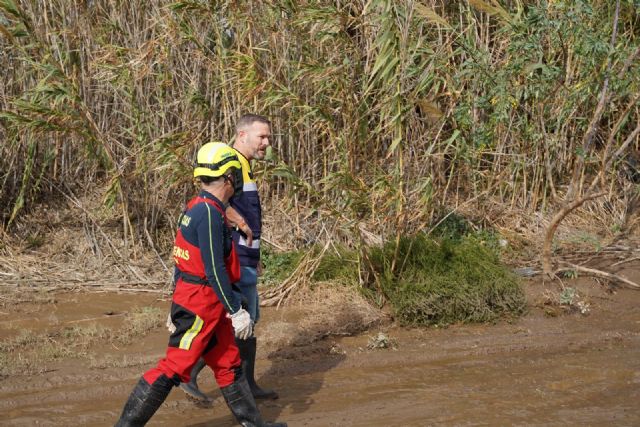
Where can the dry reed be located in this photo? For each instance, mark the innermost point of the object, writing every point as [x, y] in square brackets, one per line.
[387, 114]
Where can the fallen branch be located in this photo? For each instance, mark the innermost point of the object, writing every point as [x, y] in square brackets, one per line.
[272, 243]
[617, 248]
[599, 273]
[553, 225]
[90, 319]
[624, 261]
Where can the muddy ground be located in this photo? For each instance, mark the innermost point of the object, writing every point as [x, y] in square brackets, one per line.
[554, 366]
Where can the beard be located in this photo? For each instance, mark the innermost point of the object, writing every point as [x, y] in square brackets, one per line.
[259, 154]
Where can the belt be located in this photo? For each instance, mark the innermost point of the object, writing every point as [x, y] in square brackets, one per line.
[190, 278]
[195, 280]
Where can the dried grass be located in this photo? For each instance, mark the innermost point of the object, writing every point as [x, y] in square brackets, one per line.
[596, 224]
[51, 249]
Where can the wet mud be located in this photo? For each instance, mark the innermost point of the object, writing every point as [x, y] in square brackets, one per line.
[550, 367]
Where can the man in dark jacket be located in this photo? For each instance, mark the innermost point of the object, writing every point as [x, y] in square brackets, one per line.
[253, 134]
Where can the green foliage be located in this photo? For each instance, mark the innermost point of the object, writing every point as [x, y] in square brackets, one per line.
[567, 296]
[278, 265]
[447, 281]
[452, 226]
[340, 265]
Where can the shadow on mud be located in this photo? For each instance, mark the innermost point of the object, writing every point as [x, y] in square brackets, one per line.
[296, 373]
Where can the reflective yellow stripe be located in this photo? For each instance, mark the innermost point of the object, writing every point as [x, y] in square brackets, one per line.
[246, 171]
[213, 262]
[189, 336]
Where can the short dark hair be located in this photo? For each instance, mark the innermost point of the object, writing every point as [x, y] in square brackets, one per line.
[205, 179]
[208, 179]
[249, 119]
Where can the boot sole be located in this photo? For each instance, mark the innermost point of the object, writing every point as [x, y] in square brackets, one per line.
[197, 397]
[266, 396]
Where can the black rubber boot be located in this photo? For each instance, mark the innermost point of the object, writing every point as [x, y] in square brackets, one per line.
[144, 401]
[248, 355]
[243, 406]
[191, 388]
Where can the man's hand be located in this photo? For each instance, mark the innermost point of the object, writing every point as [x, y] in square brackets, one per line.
[238, 220]
[244, 227]
[242, 324]
[170, 326]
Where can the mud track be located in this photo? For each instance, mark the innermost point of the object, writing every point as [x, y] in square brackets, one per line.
[550, 367]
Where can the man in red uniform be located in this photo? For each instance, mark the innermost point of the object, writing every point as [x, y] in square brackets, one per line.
[205, 311]
[253, 134]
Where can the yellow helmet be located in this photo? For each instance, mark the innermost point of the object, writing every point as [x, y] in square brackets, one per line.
[214, 159]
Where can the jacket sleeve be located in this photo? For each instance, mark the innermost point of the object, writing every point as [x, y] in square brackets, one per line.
[211, 243]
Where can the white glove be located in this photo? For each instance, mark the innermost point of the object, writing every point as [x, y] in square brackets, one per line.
[170, 326]
[242, 324]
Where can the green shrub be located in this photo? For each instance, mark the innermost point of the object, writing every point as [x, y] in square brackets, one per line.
[445, 282]
[455, 279]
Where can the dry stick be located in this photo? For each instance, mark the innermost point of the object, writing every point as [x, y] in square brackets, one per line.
[272, 243]
[553, 225]
[608, 249]
[547, 160]
[111, 246]
[624, 261]
[600, 273]
[77, 203]
[275, 296]
[150, 240]
[632, 136]
[313, 265]
[466, 202]
[104, 316]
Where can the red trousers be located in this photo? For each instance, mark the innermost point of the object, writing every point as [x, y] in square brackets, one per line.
[202, 330]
